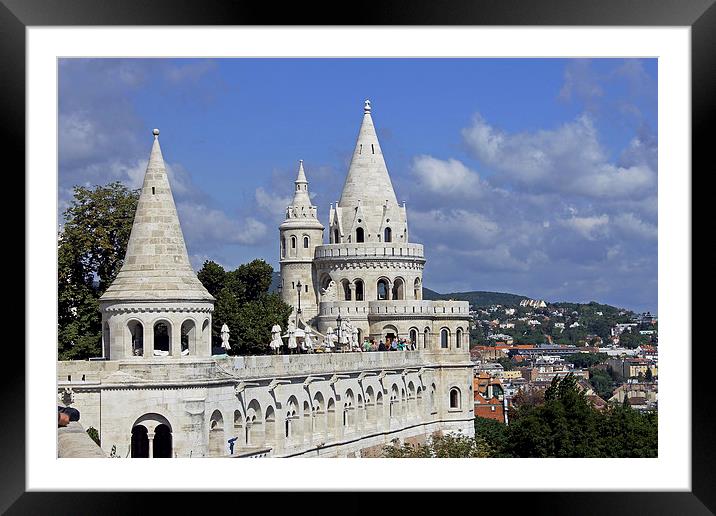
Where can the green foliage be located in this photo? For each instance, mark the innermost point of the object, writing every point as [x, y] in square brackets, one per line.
[633, 339]
[90, 253]
[245, 305]
[94, 434]
[507, 363]
[566, 425]
[586, 360]
[495, 433]
[213, 277]
[441, 446]
[602, 382]
[254, 322]
[477, 298]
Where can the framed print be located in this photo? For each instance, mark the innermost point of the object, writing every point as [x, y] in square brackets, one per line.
[284, 239]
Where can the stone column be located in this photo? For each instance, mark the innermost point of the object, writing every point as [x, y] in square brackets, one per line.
[150, 437]
[352, 287]
[148, 341]
[175, 344]
[389, 294]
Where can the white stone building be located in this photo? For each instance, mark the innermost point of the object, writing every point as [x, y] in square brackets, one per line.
[159, 392]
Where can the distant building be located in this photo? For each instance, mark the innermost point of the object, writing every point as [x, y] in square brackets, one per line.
[533, 303]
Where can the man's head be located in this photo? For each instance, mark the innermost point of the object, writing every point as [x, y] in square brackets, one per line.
[62, 419]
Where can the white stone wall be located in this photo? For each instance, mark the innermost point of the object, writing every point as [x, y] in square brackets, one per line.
[336, 404]
[119, 318]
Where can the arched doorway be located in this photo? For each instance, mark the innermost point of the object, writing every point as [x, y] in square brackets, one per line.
[162, 442]
[152, 437]
[140, 442]
[360, 235]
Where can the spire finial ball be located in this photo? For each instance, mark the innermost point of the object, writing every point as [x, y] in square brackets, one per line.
[155, 132]
[366, 108]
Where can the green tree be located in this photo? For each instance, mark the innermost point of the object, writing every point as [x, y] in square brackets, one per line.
[586, 360]
[602, 383]
[91, 249]
[94, 435]
[212, 276]
[495, 434]
[254, 321]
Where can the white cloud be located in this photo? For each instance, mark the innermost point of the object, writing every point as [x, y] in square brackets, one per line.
[448, 178]
[588, 227]
[469, 226]
[568, 160]
[273, 204]
[633, 226]
[207, 227]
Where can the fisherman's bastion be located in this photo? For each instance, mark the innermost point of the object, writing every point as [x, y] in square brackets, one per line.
[158, 391]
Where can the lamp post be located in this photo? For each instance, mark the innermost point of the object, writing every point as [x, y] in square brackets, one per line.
[298, 286]
[338, 322]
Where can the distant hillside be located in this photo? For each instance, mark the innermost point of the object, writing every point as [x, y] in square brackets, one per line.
[275, 281]
[477, 298]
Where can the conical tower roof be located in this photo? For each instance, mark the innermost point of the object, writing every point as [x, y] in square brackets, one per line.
[156, 266]
[300, 197]
[368, 180]
[301, 212]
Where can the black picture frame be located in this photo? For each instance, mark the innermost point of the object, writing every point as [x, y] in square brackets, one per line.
[700, 15]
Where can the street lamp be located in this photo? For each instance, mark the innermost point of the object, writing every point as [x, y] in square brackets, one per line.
[298, 286]
[338, 322]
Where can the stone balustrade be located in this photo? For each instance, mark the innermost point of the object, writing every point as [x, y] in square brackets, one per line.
[407, 307]
[74, 442]
[369, 250]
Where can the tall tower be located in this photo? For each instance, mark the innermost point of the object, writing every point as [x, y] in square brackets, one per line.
[300, 234]
[156, 306]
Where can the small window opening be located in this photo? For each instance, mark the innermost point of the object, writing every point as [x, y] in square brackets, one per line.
[153, 191]
[372, 148]
[360, 149]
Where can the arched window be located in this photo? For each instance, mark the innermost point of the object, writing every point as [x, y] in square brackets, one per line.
[360, 237]
[382, 289]
[426, 338]
[444, 338]
[188, 337]
[293, 242]
[414, 337]
[162, 338]
[346, 289]
[417, 290]
[458, 338]
[216, 435]
[399, 289]
[335, 236]
[283, 247]
[388, 235]
[454, 398]
[136, 331]
[359, 290]
[306, 241]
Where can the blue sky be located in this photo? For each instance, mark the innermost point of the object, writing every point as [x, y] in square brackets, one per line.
[532, 176]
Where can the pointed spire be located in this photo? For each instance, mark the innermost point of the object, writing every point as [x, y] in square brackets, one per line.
[368, 178]
[300, 196]
[156, 265]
